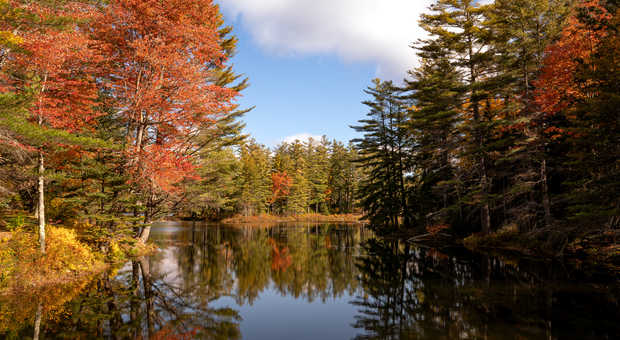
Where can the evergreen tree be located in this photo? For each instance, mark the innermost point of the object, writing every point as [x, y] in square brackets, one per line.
[254, 179]
[384, 151]
[318, 172]
[457, 25]
[299, 196]
[434, 118]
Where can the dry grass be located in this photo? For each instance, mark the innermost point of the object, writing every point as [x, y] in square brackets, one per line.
[267, 218]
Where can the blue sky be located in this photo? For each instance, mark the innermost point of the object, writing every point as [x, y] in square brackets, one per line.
[299, 95]
[308, 61]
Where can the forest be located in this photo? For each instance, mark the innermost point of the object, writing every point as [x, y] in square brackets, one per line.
[509, 127]
[116, 114]
[250, 179]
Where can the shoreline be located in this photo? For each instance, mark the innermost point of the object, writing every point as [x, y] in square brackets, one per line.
[315, 218]
[588, 251]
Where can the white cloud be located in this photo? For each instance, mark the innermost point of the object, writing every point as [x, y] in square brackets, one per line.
[302, 137]
[376, 31]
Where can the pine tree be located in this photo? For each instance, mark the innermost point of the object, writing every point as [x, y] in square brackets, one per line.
[434, 118]
[254, 178]
[318, 172]
[457, 27]
[299, 196]
[384, 151]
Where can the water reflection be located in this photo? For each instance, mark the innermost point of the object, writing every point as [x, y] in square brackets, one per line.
[419, 293]
[313, 262]
[318, 281]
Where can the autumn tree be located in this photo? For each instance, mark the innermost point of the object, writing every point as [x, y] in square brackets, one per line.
[53, 69]
[280, 188]
[577, 96]
[162, 61]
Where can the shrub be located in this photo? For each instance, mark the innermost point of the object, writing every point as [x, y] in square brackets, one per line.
[22, 265]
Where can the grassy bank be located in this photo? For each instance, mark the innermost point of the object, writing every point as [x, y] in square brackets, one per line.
[267, 218]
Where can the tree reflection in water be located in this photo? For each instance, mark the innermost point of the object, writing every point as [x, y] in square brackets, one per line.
[419, 293]
[134, 303]
[314, 262]
[394, 290]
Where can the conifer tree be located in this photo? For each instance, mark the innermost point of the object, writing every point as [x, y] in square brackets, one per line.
[318, 172]
[299, 195]
[434, 120]
[457, 27]
[383, 150]
[254, 178]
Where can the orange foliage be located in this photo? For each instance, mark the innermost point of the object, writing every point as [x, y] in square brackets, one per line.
[160, 57]
[556, 88]
[59, 65]
[280, 257]
[281, 185]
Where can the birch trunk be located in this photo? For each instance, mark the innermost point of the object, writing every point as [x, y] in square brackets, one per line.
[41, 205]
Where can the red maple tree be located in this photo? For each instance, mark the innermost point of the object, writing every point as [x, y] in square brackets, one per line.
[557, 89]
[159, 58]
[160, 62]
[281, 184]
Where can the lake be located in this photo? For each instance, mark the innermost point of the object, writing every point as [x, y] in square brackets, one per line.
[328, 281]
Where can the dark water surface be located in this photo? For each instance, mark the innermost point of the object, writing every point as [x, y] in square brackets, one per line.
[329, 282]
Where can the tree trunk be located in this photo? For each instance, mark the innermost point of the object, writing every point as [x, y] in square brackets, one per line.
[144, 234]
[148, 215]
[545, 192]
[148, 294]
[37, 322]
[41, 205]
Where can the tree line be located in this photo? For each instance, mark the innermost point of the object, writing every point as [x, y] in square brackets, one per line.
[509, 121]
[313, 176]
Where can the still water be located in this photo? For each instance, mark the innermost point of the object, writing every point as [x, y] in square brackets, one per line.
[328, 282]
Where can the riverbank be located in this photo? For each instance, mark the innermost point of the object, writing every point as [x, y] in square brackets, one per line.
[318, 218]
[596, 248]
[69, 258]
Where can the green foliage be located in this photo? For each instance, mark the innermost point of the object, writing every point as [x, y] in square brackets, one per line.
[383, 152]
[510, 121]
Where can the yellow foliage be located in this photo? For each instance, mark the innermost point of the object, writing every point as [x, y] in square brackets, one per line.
[22, 265]
[29, 279]
[9, 39]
